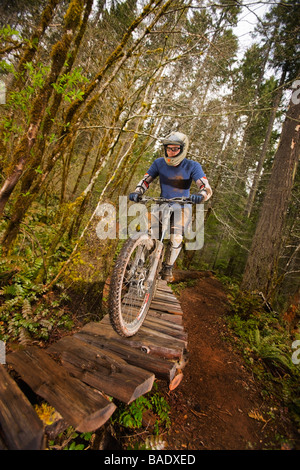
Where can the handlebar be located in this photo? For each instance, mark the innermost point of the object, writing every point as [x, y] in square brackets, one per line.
[162, 200]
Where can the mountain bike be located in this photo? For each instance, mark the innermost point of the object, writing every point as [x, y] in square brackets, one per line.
[137, 271]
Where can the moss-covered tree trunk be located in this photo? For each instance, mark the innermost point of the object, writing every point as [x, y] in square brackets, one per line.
[22, 154]
[261, 268]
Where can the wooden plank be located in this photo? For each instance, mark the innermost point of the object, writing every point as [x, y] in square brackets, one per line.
[20, 426]
[134, 306]
[168, 322]
[155, 345]
[163, 285]
[158, 324]
[166, 329]
[162, 368]
[81, 406]
[103, 370]
[165, 316]
[166, 296]
[165, 300]
[165, 307]
[155, 329]
[148, 330]
[171, 302]
[163, 291]
[133, 300]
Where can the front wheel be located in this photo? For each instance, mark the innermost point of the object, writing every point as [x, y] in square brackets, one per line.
[130, 293]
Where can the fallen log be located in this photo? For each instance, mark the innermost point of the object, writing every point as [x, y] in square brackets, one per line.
[103, 370]
[20, 426]
[163, 369]
[81, 406]
[155, 345]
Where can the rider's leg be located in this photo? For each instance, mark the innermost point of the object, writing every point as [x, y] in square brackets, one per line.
[180, 219]
[173, 251]
[175, 244]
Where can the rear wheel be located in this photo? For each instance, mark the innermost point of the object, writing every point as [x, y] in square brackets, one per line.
[130, 293]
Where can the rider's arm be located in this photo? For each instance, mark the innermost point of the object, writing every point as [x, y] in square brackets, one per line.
[204, 188]
[143, 185]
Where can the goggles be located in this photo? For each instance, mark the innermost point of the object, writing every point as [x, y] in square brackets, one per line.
[172, 149]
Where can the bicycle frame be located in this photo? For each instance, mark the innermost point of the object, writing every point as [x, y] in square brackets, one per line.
[167, 210]
[133, 281]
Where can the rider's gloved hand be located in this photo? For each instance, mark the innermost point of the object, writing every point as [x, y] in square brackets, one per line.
[135, 197]
[196, 198]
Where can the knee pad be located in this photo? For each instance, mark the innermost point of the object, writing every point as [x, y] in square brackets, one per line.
[176, 240]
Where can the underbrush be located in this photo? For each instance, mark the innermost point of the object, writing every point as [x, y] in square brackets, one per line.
[269, 347]
[29, 311]
[140, 425]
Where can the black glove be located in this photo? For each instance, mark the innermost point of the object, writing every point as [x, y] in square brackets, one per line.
[196, 198]
[135, 197]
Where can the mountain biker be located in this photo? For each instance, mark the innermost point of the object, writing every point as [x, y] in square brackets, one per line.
[176, 174]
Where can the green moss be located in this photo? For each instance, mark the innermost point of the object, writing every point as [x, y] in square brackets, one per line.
[48, 13]
[59, 51]
[73, 15]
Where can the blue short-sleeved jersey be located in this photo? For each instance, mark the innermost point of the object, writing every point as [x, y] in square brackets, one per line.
[175, 181]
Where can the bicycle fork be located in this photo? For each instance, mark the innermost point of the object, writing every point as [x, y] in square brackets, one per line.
[160, 247]
[157, 254]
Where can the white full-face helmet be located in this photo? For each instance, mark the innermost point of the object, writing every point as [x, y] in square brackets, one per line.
[176, 138]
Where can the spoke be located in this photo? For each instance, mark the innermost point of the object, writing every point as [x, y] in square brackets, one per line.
[134, 292]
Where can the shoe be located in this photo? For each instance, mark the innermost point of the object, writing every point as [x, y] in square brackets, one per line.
[167, 273]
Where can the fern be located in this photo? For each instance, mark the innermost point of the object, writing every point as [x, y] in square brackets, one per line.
[26, 309]
[32, 271]
[9, 290]
[24, 337]
[270, 350]
[155, 443]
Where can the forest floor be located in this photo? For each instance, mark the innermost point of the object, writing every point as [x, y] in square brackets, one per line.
[220, 405]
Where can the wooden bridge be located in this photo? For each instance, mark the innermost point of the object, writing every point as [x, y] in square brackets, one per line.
[81, 375]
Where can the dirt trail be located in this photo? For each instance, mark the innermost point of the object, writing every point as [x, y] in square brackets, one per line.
[218, 405]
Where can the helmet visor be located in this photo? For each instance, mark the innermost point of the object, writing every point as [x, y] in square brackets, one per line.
[173, 140]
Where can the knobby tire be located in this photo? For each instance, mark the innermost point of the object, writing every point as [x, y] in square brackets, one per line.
[129, 297]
